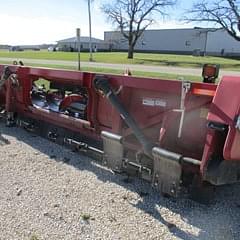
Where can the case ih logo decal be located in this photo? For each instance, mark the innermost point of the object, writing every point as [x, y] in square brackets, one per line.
[154, 102]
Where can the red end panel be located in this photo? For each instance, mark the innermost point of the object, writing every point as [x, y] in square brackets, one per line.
[225, 109]
[226, 101]
[3, 91]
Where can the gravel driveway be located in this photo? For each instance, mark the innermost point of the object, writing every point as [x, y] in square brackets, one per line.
[49, 192]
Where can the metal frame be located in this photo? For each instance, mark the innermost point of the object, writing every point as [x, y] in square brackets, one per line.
[133, 122]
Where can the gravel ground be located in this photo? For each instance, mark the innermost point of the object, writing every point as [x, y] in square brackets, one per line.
[49, 192]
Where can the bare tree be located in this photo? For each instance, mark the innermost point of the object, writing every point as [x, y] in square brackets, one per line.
[132, 17]
[223, 13]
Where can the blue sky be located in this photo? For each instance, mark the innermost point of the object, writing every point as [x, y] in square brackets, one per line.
[46, 21]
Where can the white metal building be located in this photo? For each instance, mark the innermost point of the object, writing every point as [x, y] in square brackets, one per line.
[221, 43]
[70, 44]
[182, 41]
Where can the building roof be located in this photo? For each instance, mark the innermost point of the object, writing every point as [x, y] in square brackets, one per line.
[82, 39]
[172, 29]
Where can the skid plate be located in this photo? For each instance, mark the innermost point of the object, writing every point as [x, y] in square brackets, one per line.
[113, 150]
[167, 171]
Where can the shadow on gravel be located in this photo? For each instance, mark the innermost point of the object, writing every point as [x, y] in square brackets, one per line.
[220, 219]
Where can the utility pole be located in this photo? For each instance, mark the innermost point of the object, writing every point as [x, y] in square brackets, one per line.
[78, 33]
[90, 31]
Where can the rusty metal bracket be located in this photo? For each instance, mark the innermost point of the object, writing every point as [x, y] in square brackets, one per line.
[167, 171]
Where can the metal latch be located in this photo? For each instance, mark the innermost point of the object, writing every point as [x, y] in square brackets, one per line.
[167, 171]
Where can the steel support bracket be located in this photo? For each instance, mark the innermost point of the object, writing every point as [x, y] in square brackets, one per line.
[113, 151]
[167, 171]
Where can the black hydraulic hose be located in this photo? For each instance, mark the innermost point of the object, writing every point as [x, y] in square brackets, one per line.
[102, 84]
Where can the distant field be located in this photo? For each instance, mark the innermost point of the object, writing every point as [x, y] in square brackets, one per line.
[139, 58]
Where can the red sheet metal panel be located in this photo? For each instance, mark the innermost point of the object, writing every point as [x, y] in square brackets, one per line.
[225, 108]
[226, 101]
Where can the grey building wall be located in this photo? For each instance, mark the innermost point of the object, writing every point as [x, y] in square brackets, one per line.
[187, 41]
[169, 40]
[221, 43]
